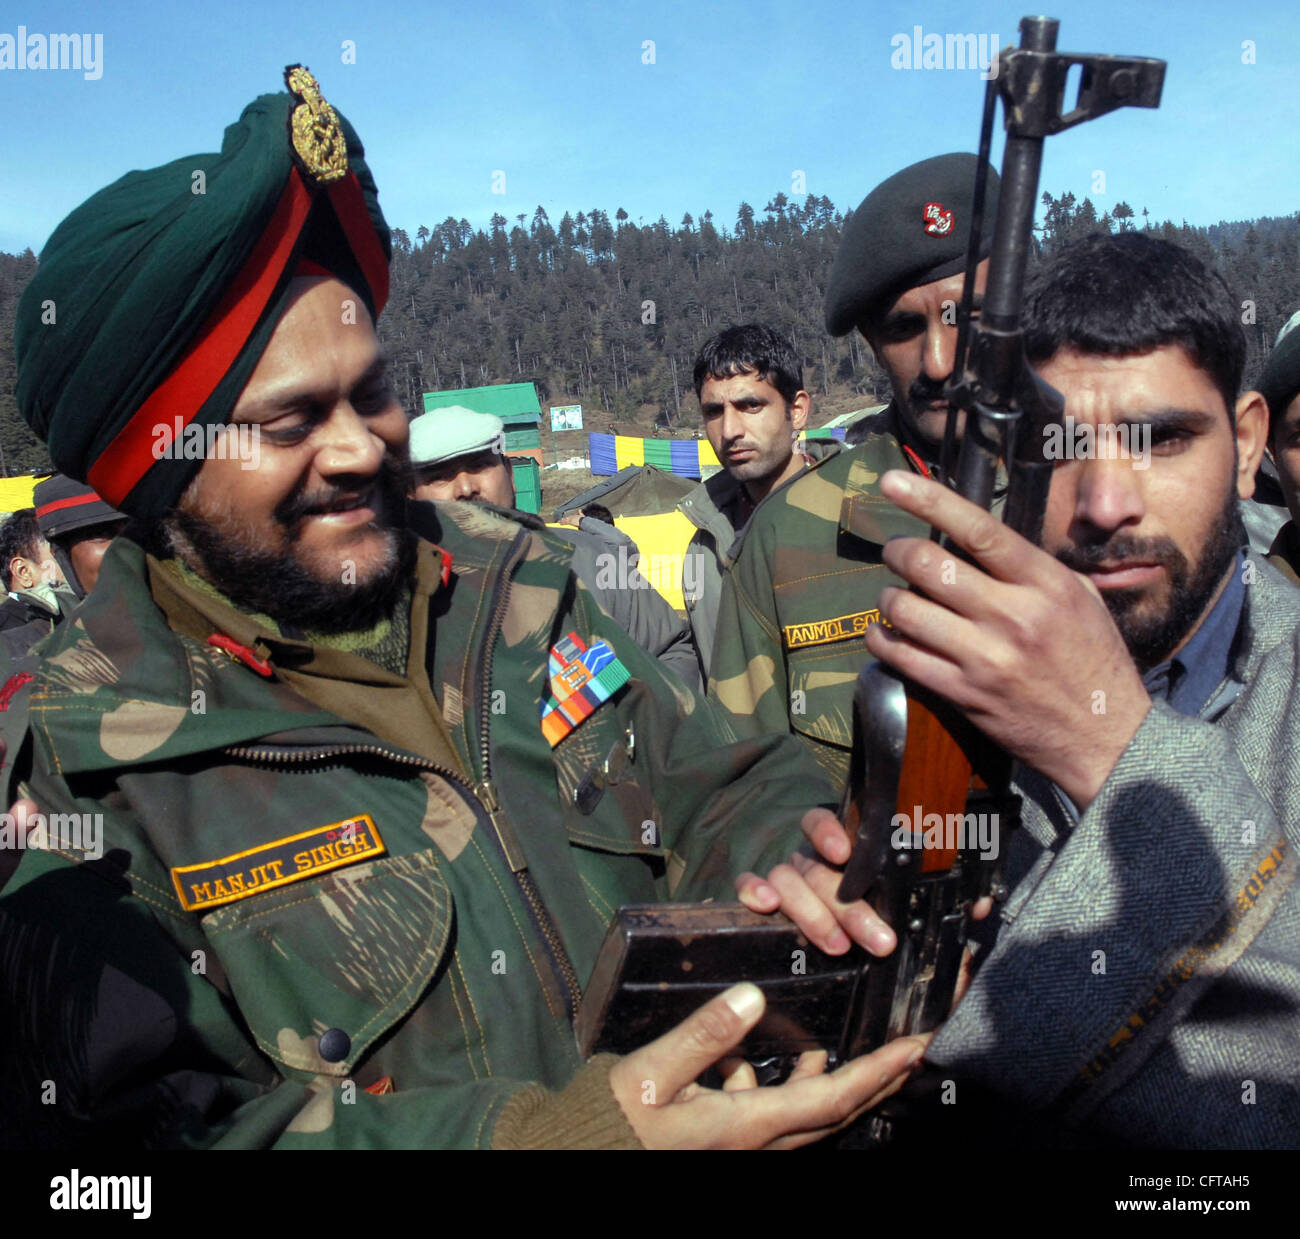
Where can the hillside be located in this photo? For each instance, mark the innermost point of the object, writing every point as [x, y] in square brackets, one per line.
[609, 313]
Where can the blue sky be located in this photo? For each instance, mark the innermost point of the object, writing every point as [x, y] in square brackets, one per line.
[740, 98]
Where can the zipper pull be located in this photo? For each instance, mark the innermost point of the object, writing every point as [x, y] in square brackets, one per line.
[514, 854]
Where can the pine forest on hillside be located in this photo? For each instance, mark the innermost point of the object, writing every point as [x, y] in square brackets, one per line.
[609, 313]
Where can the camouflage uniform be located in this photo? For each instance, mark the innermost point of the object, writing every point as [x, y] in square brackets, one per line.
[301, 933]
[719, 509]
[805, 585]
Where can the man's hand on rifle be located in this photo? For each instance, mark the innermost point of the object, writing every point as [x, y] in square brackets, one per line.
[1018, 642]
[805, 890]
[655, 1086]
[1021, 644]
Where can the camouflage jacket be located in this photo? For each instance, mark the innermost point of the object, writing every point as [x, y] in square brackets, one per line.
[258, 924]
[799, 597]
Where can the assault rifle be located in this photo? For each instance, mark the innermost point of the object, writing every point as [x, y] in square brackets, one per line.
[922, 780]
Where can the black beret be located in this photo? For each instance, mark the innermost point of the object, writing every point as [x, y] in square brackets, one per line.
[63, 505]
[154, 299]
[1280, 380]
[911, 229]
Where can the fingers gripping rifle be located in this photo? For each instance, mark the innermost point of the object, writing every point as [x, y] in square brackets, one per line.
[915, 759]
[929, 799]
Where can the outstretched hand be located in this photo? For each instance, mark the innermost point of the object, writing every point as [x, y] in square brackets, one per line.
[656, 1090]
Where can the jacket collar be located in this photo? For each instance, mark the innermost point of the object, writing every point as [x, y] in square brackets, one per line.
[717, 504]
[119, 686]
[864, 512]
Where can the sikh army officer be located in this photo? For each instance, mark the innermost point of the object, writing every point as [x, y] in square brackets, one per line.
[1141, 984]
[456, 456]
[806, 582]
[749, 383]
[364, 796]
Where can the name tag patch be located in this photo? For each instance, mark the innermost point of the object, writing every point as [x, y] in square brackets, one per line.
[214, 882]
[822, 632]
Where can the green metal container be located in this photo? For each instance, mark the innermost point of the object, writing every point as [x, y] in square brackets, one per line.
[528, 484]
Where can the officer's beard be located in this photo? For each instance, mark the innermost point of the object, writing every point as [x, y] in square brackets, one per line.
[1153, 633]
[229, 552]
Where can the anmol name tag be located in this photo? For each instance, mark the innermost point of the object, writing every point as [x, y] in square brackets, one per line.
[822, 632]
[214, 882]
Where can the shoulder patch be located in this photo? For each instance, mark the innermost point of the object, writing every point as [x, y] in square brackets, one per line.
[212, 883]
[822, 632]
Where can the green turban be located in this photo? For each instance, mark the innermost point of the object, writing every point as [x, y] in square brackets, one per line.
[154, 299]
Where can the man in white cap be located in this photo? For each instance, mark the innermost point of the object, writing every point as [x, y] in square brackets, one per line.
[457, 454]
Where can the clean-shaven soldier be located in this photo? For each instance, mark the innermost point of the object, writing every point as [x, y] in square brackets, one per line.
[750, 386]
[806, 582]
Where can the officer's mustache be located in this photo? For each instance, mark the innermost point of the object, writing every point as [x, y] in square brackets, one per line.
[924, 390]
[385, 491]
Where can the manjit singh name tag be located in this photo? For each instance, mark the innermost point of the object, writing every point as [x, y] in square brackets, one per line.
[259, 869]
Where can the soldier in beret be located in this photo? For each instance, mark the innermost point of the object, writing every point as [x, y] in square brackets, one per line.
[807, 577]
[79, 526]
[1279, 384]
[348, 792]
[456, 454]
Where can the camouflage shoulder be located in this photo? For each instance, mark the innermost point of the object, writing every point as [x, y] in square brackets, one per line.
[16, 678]
[475, 532]
[814, 494]
[441, 522]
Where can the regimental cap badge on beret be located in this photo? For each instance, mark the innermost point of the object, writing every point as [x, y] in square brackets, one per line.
[318, 139]
[939, 220]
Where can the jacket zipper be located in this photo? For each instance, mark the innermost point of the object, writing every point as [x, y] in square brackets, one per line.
[558, 956]
[484, 792]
